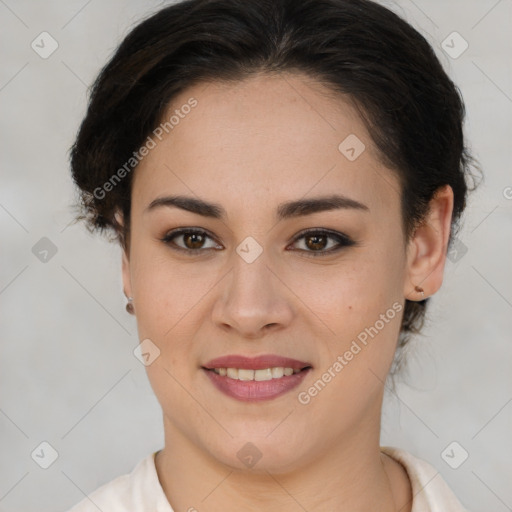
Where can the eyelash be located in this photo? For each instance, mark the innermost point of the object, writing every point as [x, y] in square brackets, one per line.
[343, 240]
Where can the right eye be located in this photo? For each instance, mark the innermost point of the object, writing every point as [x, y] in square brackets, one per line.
[192, 239]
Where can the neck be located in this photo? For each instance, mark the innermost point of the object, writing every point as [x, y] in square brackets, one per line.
[353, 476]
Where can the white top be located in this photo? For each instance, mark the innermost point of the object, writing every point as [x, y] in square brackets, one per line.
[140, 490]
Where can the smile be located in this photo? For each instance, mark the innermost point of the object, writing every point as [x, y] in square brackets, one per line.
[255, 379]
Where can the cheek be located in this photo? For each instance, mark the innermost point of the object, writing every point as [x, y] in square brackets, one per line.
[165, 290]
[167, 300]
[365, 313]
[363, 306]
[364, 288]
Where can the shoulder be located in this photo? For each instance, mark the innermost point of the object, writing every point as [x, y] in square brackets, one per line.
[138, 491]
[430, 491]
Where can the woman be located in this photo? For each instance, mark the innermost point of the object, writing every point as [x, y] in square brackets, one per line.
[284, 178]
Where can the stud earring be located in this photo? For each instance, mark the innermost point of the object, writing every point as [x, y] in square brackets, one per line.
[129, 306]
[419, 289]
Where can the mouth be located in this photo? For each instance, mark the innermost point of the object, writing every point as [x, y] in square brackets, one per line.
[261, 378]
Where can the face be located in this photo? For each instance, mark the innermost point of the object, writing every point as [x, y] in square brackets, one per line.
[265, 275]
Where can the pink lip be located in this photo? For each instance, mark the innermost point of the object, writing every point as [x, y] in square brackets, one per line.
[250, 391]
[255, 363]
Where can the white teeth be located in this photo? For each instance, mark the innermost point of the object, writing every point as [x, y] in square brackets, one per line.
[277, 373]
[257, 375]
[244, 374]
[232, 373]
[265, 374]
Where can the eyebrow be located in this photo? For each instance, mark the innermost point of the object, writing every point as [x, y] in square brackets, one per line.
[286, 210]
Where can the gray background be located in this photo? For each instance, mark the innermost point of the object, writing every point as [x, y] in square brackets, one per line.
[68, 374]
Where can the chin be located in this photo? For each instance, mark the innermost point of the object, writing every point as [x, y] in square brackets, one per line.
[260, 454]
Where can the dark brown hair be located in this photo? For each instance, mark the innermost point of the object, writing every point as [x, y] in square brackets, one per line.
[413, 111]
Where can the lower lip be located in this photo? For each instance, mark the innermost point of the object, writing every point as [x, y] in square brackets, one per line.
[252, 390]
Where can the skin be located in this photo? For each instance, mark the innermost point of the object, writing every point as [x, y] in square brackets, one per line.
[250, 146]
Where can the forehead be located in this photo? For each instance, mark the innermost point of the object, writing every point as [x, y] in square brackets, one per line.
[264, 138]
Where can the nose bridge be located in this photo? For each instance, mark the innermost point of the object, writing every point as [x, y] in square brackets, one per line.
[250, 282]
[251, 298]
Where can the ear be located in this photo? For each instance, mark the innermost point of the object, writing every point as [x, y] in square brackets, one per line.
[427, 248]
[125, 269]
[125, 265]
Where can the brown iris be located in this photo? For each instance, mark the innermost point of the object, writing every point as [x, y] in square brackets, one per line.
[316, 244]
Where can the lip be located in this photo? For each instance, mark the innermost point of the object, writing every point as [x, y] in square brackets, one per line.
[251, 390]
[255, 363]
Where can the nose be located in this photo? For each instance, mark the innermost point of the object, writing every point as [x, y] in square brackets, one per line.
[253, 300]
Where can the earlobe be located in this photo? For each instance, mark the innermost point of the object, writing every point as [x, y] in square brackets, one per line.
[127, 283]
[426, 252]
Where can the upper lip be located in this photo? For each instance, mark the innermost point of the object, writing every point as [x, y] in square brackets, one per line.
[255, 363]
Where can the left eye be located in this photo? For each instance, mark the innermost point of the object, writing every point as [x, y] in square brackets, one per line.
[315, 241]
[318, 240]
